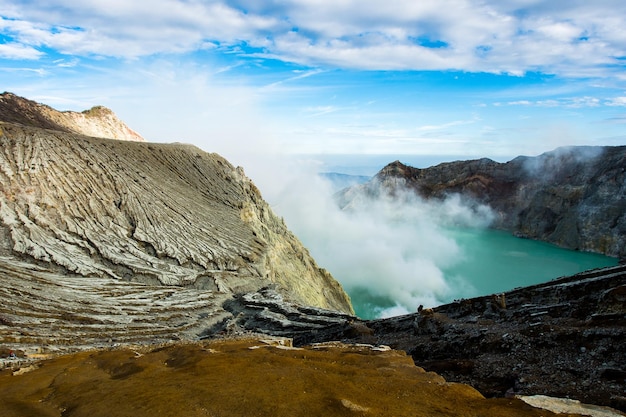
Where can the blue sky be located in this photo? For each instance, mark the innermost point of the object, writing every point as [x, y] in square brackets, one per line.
[493, 78]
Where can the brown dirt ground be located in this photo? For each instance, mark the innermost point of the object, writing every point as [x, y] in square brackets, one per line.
[227, 378]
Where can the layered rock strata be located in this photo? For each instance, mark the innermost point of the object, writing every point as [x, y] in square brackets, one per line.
[105, 241]
[574, 197]
[151, 213]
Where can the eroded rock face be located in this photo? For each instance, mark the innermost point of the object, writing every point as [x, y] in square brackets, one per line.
[45, 313]
[105, 241]
[151, 213]
[573, 197]
[98, 121]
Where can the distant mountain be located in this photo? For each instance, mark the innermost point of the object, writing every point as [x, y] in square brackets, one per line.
[340, 181]
[574, 197]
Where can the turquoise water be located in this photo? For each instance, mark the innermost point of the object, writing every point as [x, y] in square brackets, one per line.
[493, 261]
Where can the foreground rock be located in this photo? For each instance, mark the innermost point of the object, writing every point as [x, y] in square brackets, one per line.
[573, 197]
[243, 378]
[565, 338]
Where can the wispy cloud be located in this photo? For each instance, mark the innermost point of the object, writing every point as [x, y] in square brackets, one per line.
[617, 119]
[445, 125]
[38, 71]
[568, 102]
[18, 51]
[320, 110]
[616, 101]
[65, 63]
[296, 75]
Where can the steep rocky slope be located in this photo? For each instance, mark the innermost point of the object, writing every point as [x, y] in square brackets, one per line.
[105, 241]
[574, 197]
[97, 122]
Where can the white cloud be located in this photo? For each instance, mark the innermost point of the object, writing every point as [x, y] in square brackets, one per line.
[320, 110]
[18, 51]
[445, 125]
[616, 101]
[131, 29]
[575, 38]
[568, 102]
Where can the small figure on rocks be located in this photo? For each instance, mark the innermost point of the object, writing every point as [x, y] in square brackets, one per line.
[424, 311]
[499, 300]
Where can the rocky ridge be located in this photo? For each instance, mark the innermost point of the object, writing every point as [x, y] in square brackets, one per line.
[98, 121]
[574, 197]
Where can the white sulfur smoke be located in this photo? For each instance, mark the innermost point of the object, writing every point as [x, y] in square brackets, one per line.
[394, 248]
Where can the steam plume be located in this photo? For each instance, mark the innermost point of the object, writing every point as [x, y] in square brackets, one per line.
[393, 247]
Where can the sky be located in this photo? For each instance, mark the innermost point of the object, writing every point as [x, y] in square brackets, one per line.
[473, 78]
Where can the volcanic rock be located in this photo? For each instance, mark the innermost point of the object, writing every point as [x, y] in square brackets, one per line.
[105, 241]
[574, 197]
[564, 338]
[243, 378]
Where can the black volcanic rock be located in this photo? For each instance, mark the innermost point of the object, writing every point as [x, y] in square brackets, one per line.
[574, 197]
[564, 338]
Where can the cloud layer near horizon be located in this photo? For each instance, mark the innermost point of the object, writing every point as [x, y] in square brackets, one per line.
[574, 38]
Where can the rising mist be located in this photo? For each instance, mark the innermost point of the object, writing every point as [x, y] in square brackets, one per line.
[394, 248]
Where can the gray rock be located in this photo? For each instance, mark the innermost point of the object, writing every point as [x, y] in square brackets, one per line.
[574, 197]
[128, 241]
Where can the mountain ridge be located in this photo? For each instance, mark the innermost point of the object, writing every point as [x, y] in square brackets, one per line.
[98, 121]
[574, 197]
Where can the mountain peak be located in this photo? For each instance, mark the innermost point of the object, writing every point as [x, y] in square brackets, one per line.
[99, 121]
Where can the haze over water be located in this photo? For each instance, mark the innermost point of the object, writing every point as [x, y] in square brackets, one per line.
[393, 254]
[492, 261]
